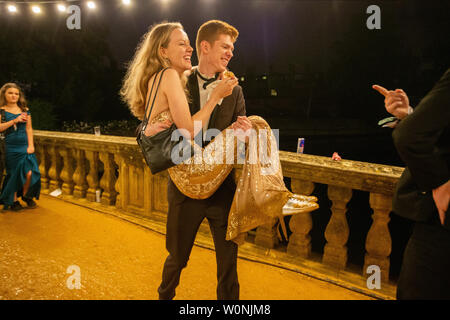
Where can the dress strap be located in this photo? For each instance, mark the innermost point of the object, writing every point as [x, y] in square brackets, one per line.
[147, 115]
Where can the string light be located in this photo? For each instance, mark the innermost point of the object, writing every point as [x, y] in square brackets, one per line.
[12, 8]
[61, 8]
[60, 5]
[36, 9]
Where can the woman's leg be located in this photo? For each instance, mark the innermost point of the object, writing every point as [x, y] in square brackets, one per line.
[29, 200]
[26, 186]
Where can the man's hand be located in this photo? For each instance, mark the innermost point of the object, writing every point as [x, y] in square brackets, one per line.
[153, 129]
[441, 197]
[396, 102]
[244, 124]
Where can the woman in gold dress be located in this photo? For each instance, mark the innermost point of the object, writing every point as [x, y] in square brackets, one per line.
[261, 194]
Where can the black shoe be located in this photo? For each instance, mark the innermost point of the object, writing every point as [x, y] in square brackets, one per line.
[30, 202]
[16, 206]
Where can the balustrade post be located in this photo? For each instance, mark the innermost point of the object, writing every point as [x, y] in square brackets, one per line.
[148, 190]
[378, 241]
[66, 174]
[55, 167]
[120, 183]
[107, 183]
[79, 176]
[267, 235]
[43, 160]
[92, 177]
[337, 231]
[300, 224]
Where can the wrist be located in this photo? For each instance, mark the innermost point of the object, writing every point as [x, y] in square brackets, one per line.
[215, 98]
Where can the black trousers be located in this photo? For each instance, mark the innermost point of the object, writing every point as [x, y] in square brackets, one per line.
[183, 220]
[425, 272]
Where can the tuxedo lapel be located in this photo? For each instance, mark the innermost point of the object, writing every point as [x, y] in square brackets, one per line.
[192, 84]
[222, 115]
[212, 119]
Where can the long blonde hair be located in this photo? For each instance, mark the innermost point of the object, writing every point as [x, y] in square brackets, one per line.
[22, 103]
[146, 62]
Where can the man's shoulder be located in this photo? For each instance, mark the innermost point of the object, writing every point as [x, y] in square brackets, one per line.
[237, 89]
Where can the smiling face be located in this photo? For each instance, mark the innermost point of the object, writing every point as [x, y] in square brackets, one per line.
[12, 95]
[219, 54]
[178, 51]
[215, 45]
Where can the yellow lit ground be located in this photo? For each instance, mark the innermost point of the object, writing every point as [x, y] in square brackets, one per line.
[121, 260]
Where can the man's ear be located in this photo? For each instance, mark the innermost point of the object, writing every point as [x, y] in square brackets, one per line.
[205, 46]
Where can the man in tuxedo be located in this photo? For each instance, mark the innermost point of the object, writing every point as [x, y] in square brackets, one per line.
[422, 138]
[215, 45]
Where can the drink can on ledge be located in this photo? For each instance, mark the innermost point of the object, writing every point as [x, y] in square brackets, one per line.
[300, 145]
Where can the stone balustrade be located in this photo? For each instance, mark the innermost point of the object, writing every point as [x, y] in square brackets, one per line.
[82, 165]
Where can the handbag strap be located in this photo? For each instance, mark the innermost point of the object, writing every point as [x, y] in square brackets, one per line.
[147, 115]
[2, 119]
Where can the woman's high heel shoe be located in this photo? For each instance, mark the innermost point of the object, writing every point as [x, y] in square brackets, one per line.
[300, 204]
[31, 204]
[16, 206]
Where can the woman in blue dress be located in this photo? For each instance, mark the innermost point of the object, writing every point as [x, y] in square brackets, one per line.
[22, 171]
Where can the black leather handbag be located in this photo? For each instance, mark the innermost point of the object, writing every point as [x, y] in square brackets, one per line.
[164, 149]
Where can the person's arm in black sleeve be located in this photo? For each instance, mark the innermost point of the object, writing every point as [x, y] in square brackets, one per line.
[416, 136]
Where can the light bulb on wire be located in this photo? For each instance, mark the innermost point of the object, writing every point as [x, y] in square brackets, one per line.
[12, 8]
[36, 9]
[61, 8]
[91, 5]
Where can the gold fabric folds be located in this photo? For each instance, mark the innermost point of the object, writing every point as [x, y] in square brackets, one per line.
[261, 192]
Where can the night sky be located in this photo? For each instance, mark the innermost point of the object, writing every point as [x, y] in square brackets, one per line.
[324, 43]
[276, 33]
[280, 35]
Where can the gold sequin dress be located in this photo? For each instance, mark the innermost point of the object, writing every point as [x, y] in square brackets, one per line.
[260, 194]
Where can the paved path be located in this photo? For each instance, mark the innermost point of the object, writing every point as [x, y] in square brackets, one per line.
[120, 260]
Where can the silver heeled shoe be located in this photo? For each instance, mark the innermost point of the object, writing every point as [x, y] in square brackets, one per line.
[300, 204]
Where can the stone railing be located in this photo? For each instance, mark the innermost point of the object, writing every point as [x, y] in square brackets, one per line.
[342, 177]
[82, 164]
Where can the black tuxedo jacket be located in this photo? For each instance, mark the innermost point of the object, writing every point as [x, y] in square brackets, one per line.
[222, 116]
[422, 140]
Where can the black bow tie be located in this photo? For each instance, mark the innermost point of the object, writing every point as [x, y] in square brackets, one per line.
[208, 81]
